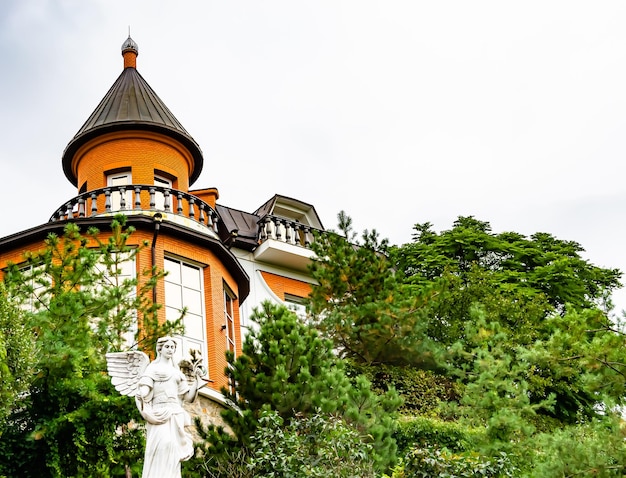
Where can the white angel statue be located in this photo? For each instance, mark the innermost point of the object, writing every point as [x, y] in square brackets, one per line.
[159, 388]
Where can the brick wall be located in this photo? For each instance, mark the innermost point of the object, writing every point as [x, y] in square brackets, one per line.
[142, 152]
[281, 285]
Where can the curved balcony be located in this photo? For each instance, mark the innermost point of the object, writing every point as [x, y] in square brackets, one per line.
[177, 206]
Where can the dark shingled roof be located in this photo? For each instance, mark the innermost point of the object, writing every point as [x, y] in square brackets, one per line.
[244, 223]
[131, 104]
[247, 224]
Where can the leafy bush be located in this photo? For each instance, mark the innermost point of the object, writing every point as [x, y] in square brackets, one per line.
[420, 431]
[430, 461]
[316, 446]
[421, 391]
[319, 445]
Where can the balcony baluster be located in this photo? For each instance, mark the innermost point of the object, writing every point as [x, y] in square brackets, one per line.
[192, 212]
[138, 198]
[107, 200]
[94, 203]
[167, 202]
[81, 207]
[123, 198]
[202, 217]
[179, 203]
[297, 227]
[78, 206]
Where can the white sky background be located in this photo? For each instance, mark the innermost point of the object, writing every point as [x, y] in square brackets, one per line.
[398, 112]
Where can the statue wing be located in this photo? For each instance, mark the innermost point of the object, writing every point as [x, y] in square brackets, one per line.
[125, 369]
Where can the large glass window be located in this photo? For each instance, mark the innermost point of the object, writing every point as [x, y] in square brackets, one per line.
[184, 291]
[116, 275]
[229, 327]
[36, 283]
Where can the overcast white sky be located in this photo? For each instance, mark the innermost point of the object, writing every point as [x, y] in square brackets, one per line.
[397, 112]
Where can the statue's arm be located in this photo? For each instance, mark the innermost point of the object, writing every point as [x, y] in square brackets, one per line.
[193, 386]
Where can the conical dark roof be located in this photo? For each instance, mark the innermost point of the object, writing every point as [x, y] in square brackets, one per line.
[131, 104]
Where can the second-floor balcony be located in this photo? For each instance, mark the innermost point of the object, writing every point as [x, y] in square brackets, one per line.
[285, 242]
[285, 230]
[176, 206]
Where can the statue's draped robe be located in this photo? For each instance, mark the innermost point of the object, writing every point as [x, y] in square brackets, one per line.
[167, 441]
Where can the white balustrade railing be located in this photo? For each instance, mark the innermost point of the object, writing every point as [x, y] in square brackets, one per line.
[137, 197]
[285, 230]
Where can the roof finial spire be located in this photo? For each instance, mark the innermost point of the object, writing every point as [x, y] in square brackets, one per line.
[130, 51]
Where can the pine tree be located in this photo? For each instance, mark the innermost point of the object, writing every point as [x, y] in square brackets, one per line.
[285, 366]
[71, 417]
[17, 353]
[361, 304]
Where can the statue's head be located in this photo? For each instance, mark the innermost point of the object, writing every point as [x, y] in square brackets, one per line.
[162, 341]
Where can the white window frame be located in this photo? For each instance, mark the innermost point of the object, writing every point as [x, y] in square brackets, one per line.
[229, 320]
[128, 270]
[296, 304]
[159, 198]
[176, 284]
[123, 178]
[27, 303]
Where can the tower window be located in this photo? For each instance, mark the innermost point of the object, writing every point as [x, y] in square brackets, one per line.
[121, 178]
[159, 199]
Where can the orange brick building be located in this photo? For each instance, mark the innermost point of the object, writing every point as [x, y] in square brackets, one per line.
[132, 156]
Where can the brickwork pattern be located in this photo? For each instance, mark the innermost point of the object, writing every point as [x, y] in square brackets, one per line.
[141, 152]
[282, 285]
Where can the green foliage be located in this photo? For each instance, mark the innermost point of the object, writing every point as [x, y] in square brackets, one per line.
[519, 313]
[595, 448]
[422, 431]
[522, 323]
[417, 300]
[539, 265]
[286, 367]
[496, 390]
[431, 461]
[421, 391]
[72, 419]
[17, 353]
[359, 303]
[317, 446]
[582, 360]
